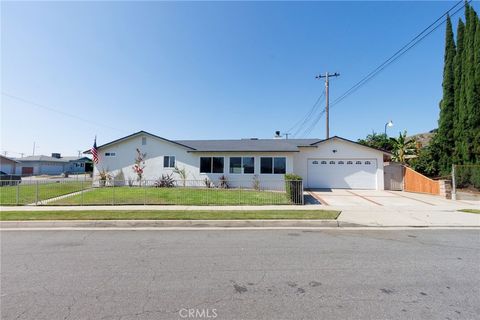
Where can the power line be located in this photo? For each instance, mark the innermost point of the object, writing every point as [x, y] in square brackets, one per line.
[59, 111]
[412, 43]
[301, 122]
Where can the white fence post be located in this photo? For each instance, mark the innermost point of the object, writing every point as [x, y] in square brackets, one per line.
[36, 192]
[454, 184]
[18, 193]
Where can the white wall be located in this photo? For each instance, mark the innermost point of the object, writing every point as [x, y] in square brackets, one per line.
[125, 153]
[345, 150]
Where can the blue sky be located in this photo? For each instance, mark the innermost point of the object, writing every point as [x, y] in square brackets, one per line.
[210, 70]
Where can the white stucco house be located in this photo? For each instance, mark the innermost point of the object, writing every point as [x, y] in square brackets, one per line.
[330, 163]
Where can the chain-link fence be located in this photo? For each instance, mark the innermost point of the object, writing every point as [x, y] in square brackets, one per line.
[150, 192]
[466, 181]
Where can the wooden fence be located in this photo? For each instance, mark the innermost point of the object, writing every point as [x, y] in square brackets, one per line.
[416, 182]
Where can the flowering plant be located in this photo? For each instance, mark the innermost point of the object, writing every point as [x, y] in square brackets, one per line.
[139, 165]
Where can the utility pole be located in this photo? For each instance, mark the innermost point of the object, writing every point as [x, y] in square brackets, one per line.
[327, 111]
[33, 148]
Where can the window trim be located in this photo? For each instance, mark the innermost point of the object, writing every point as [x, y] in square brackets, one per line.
[110, 154]
[211, 165]
[242, 165]
[273, 165]
[169, 162]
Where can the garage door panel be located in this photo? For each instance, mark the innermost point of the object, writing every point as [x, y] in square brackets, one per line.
[342, 173]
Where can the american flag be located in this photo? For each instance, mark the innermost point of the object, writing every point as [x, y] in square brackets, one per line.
[94, 151]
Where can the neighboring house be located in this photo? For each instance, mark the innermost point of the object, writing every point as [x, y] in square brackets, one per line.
[330, 163]
[54, 165]
[8, 165]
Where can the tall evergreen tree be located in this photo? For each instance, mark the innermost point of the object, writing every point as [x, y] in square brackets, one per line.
[471, 100]
[459, 118]
[444, 142]
[476, 112]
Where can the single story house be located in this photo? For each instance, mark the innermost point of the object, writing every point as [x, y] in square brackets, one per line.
[8, 165]
[53, 165]
[331, 163]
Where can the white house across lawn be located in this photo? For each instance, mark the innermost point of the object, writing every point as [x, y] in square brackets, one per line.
[332, 163]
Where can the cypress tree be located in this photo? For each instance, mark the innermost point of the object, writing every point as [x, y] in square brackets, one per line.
[444, 139]
[476, 112]
[471, 100]
[459, 118]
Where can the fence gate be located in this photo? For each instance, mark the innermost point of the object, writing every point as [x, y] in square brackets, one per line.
[393, 176]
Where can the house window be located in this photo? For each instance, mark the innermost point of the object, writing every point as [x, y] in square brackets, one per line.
[358, 162]
[235, 165]
[341, 162]
[277, 165]
[144, 141]
[367, 162]
[244, 165]
[323, 162]
[349, 162]
[110, 154]
[332, 162]
[315, 162]
[211, 164]
[169, 161]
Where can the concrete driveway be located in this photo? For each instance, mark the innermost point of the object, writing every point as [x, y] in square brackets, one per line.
[397, 208]
[383, 198]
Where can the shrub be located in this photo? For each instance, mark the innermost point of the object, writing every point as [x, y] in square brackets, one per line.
[293, 187]
[256, 183]
[166, 181]
[223, 182]
[208, 183]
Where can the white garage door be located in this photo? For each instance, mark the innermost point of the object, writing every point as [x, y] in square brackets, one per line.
[342, 173]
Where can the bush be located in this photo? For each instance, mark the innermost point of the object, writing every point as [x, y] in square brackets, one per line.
[166, 181]
[293, 187]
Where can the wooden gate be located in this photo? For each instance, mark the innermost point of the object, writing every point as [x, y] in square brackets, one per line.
[417, 182]
[393, 176]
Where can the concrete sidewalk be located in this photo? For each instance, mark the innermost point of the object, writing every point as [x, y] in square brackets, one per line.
[164, 207]
[407, 216]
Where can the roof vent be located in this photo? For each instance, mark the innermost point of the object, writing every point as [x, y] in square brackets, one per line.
[277, 135]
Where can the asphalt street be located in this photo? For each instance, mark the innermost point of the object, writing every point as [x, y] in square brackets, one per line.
[264, 274]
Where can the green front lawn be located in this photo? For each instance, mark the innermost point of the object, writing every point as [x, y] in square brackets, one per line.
[168, 215]
[27, 193]
[178, 196]
[471, 210]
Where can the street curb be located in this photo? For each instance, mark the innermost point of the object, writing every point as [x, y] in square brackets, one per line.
[128, 224]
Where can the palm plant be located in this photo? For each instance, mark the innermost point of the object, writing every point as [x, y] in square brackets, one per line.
[402, 147]
[182, 173]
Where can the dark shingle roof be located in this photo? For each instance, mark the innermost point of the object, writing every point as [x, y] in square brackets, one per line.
[260, 145]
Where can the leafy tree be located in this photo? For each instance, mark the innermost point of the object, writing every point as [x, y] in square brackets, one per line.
[378, 141]
[402, 147]
[425, 162]
[444, 140]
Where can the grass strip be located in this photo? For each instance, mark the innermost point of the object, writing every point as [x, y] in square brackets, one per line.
[168, 215]
[471, 211]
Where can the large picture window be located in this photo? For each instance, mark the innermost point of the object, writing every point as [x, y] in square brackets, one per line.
[211, 164]
[276, 165]
[169, 161]
[240, 165]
